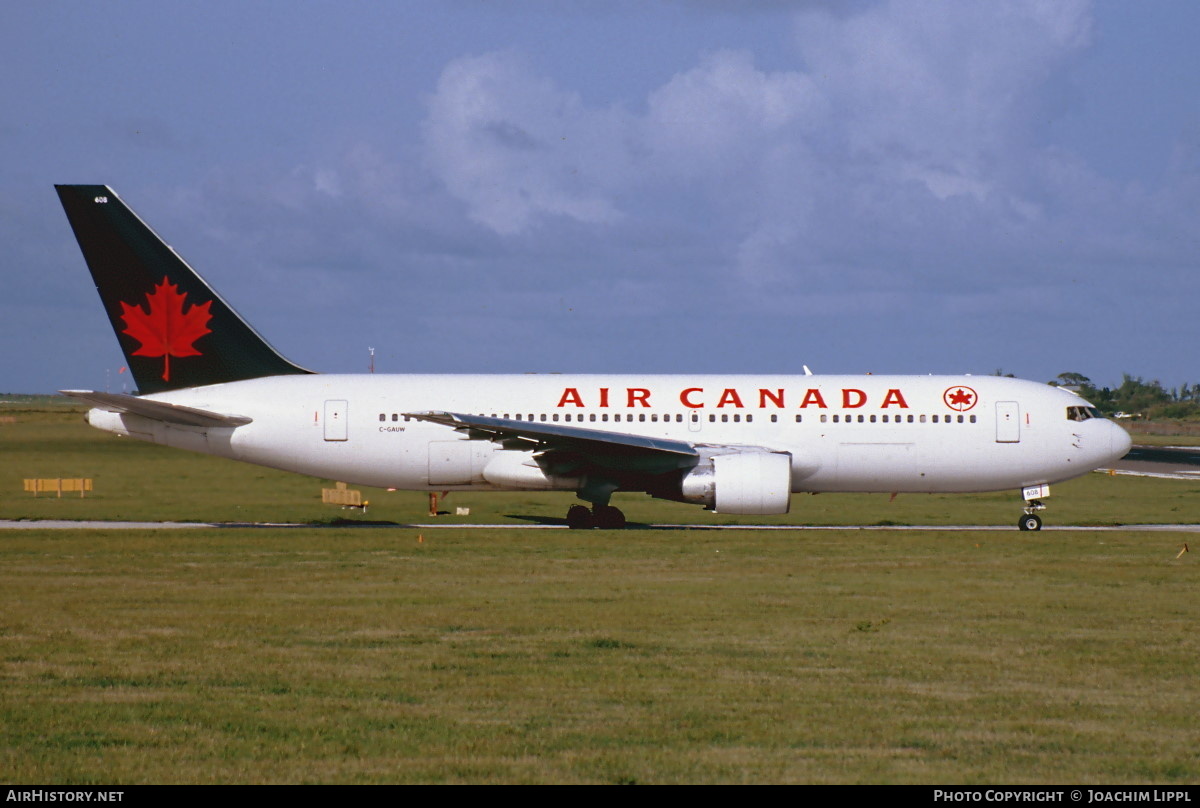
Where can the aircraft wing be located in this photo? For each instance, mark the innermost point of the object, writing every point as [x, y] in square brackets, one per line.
[613, 450]
[157, 410]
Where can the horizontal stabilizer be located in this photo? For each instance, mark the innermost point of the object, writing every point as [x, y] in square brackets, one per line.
[156, 410]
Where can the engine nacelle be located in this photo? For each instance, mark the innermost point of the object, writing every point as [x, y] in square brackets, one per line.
[741, 482]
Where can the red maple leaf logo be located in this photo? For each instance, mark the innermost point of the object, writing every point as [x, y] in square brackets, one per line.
[164, 328]
[960, 398]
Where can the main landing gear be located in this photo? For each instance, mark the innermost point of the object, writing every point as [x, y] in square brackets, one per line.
[605, 517]
[1030, 520]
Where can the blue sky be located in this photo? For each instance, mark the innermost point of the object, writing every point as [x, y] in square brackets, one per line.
[868, 186]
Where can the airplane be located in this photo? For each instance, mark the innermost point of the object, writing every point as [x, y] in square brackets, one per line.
[740, 444]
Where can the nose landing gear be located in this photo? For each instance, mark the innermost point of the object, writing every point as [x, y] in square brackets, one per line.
[1030, 520]
[1033, 495]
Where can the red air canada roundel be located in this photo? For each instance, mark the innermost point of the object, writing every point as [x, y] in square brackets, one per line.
[163, 327]
[960, 399]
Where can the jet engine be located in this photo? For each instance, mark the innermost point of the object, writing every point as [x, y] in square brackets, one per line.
[753, 482]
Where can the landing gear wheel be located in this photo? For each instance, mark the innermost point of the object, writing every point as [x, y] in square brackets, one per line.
[1029, 521]
[608, 518]
[580, 518]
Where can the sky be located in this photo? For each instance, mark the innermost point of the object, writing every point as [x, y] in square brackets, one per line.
[477, 186]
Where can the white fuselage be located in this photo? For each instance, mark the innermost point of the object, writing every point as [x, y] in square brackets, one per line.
[844, 433]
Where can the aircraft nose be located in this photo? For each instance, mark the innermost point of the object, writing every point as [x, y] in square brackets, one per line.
[1119, 440]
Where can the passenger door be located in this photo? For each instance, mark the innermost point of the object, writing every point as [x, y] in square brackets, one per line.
[335, 420]
[1008, 422]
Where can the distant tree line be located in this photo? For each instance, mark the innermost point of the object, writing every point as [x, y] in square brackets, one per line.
[1137, 397]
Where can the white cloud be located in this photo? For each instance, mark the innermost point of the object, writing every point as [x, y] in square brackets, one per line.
[939, 92]
[892, 161]
[900, 123]
[512, 146]
[708, 121]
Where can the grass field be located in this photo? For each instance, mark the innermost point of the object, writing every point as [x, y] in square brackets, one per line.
[139, 481]
[323, 654]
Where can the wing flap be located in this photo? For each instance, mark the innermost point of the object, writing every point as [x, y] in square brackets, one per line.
[557, 437]
[157, 410]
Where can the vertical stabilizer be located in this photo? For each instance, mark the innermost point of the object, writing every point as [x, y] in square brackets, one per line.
[174, 329]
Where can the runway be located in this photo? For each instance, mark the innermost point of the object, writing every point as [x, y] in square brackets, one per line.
[1168, 462]
[51, 524]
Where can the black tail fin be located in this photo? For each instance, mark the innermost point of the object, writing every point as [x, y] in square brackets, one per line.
[174, 329]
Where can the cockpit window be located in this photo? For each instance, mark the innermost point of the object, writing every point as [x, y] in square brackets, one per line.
[1082, 413]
